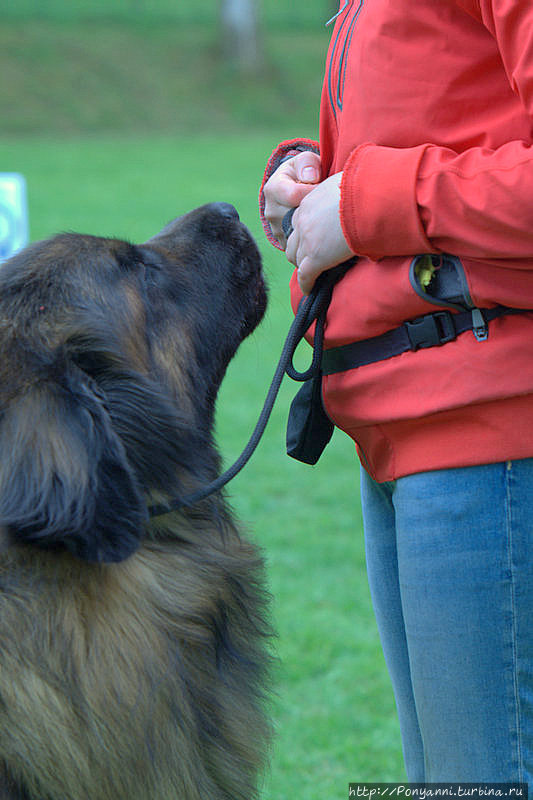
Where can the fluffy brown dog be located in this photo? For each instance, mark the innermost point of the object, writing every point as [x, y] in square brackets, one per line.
[133, 649]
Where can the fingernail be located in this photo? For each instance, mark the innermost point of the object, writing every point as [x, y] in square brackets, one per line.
[309, 174]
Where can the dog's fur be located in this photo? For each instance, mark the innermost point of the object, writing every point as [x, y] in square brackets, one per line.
[133, 650]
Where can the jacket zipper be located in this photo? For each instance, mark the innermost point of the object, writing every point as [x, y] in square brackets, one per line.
[339, 12]
[460, 302]
[342, 42]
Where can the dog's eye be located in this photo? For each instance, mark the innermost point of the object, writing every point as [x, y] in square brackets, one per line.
[151, 273]
[152, 267]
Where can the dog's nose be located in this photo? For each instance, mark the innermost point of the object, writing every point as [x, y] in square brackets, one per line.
[226, 209]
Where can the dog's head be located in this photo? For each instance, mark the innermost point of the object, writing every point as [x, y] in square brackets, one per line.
[111, 355]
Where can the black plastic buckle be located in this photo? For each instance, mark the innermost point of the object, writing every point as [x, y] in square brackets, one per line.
[431, 330]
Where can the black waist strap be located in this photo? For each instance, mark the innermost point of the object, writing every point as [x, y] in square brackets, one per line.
[430, 330]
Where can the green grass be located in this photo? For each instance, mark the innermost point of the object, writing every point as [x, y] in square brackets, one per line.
[120, 126]
[132, 77]
[333, 708]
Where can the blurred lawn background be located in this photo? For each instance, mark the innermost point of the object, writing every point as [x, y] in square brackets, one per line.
[121, 115]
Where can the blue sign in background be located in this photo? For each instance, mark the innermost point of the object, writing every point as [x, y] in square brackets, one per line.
[13, 214]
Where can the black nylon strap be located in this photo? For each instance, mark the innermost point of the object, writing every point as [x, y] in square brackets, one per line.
[430, 330]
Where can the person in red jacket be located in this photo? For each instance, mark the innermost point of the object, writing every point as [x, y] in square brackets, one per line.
[424, 172]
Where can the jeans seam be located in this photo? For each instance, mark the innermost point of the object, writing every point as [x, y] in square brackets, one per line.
[509, 524]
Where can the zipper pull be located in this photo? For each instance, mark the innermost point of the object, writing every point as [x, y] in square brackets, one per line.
[339, 12]
[479, 326]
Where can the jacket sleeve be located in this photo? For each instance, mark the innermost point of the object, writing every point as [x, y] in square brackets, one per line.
[282, 152]
[478, 203]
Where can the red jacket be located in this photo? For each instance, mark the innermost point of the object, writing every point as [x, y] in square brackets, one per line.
[427, 107]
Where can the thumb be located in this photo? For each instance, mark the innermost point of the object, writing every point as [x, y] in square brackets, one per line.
[307, 167]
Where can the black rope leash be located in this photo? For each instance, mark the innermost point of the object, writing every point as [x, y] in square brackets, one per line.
[312, 308]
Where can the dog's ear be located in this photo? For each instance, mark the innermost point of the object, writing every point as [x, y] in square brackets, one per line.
[162, 442]
[65, 479]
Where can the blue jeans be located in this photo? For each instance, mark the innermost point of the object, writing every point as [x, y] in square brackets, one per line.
[450, 565]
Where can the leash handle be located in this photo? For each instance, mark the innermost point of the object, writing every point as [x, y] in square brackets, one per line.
[286, 222]
[314, 308]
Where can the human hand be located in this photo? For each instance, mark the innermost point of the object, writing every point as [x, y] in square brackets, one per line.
[317, 241]
[287, 187]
